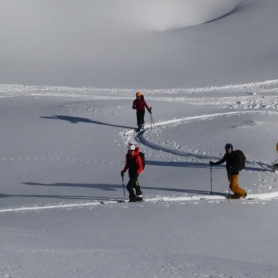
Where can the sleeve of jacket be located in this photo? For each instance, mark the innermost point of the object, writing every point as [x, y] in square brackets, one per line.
[146, 105]
[126, 165]
[221, 161]
[134, 104]
[139, 164]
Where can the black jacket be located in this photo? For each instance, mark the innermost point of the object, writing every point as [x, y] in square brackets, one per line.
[232, 162]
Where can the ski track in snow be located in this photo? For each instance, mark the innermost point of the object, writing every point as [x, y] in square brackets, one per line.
[254, 100]
[251, 198]
[248, 96]
[141, 138]
[58, 160]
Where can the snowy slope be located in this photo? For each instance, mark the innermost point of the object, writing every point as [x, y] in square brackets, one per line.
[108, 44]
[62, 148]
[62, 153]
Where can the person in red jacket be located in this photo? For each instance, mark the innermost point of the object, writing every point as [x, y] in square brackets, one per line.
[139, 104]
[135, 167]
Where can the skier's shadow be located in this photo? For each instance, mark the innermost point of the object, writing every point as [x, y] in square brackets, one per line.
[177, 164]
[196, 165]
[115, 187]
[75, 120]
[189, 191]
[68, 197]
[105, 187]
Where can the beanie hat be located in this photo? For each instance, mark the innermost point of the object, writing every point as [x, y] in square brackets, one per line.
[138, 94]
[228, 146]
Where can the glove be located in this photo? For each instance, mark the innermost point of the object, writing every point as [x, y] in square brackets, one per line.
[150, 110]
[122, 173]
[211, 163]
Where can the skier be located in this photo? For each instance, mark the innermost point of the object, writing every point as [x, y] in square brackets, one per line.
[135, 167]
[139, 104]
[232, 166]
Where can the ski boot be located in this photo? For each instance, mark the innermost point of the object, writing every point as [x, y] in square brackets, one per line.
[139, 198]
[235, 197]
[132, 199]
[140, 128]
[136, 199]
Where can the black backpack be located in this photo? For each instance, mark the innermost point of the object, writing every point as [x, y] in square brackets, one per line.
[142, 155]
[241, 159]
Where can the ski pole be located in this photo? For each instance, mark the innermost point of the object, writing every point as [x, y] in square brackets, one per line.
[151, 118]
[230, 179]
[272, 164]
[210, 179]
[123, 185]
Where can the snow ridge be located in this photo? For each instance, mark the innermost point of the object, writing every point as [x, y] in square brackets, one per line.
[209, 198]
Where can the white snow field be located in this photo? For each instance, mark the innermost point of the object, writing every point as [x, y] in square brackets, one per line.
[120, 44]
[62, 150]
[63, 144]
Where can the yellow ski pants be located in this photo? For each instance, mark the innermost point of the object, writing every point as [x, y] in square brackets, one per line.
[233, 179]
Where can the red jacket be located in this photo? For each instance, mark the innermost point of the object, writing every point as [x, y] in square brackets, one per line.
[140, 104]
[134, 162]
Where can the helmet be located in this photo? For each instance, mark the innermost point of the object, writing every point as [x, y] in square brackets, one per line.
[228, 146]
[131, 147]
[138, 94]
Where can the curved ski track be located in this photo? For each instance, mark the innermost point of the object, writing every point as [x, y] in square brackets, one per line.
[242, 102]
[251, 198]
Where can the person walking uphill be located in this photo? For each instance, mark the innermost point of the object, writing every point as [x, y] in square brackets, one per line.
[139, 104]
[233, 167]
[135, 167]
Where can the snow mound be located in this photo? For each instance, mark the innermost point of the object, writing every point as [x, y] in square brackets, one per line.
[166, 15]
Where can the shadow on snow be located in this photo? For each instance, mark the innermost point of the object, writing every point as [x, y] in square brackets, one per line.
[75, 120]
[110, 187]
[196, 165]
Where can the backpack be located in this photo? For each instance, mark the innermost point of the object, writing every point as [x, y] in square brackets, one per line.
[142, 155]
[241, 159]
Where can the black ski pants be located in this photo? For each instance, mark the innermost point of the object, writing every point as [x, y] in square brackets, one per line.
[140, 117]
[133, 183]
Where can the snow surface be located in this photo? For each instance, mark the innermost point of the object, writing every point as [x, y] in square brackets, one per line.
[120, 44]
[62, 148]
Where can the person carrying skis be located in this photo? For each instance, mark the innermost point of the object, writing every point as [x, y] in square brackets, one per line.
[135, 167]
[232, 166]
[139, 104]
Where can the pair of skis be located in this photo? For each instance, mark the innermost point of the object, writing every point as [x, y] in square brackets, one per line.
[109, 202]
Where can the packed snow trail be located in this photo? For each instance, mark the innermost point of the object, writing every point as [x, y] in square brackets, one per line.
[251, 100]
[140, 137]
[246, 95]
[206, 197]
